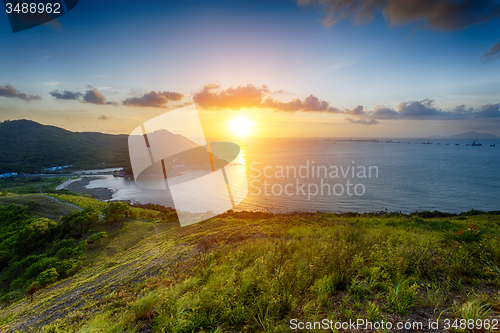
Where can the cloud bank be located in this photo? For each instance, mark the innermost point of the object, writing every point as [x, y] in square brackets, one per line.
[442, 15]
[212, 97]
[250, 96]
[426, 110]
[11, 92]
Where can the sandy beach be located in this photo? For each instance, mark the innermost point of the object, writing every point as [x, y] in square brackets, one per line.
[78, 186]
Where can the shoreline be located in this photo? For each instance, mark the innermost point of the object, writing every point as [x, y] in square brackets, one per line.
[99, 193]
[66, 184]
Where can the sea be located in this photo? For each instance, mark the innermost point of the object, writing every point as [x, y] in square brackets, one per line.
[342, 175]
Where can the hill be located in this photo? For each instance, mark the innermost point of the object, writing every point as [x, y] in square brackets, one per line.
[469, 135]
[27, 146]
[256, 272]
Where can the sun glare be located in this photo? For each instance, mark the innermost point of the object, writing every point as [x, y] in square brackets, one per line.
[241, 125]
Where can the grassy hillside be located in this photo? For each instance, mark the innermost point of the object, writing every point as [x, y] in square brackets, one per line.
[27, 146]
[254, 272]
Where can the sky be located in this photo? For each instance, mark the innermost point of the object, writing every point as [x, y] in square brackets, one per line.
[305, 68]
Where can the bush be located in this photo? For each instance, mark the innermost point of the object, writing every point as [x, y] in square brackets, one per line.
[48, 276]
[96, 238]
[79, 223]
[117, 211]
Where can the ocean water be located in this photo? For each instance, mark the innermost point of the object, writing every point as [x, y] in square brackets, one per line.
[286, 175]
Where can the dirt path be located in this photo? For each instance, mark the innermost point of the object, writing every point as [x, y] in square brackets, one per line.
[69, 204]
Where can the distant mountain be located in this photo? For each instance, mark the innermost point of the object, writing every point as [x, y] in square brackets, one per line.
[27, 146]
[469, 135]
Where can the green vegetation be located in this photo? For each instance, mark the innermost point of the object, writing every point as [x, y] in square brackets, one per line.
[36, 250]
[96, 238]
[26, 185]
[253, 272]
[113, 210]
[116, 210]
[29, 147]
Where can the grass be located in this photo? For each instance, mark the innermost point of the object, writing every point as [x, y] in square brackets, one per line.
[24, 185]
[253, 272]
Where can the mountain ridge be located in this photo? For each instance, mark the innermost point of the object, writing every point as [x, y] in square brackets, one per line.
[27, 146]
[468, 135]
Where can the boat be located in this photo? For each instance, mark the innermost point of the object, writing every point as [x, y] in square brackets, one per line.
[457, 144]
[426, 143]
[447, 144]
[475, 143]
[492, 145]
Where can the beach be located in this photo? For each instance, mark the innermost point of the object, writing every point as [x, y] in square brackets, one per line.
[79, 186]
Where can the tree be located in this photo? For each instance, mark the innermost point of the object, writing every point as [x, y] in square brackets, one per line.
[79, 223]
[117, 210]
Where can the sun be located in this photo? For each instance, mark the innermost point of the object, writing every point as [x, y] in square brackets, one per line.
[241, 125]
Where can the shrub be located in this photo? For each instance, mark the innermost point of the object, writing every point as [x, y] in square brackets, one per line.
[116, 211]
[471, 234]
[96, 238]
[79, 223]
[48, 276]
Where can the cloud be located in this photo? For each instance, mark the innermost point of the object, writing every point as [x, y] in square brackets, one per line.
[488, 111]
[11, 92]
[426, 110]
[442, 15]
[103, 117]
[362, 121]
[94, 96]
[309, 104]
[493, 52]
[154, 99]
[381, 112]
[232, 98]
[415, 109]
[357, 111]
[250, 96]
[67, 95]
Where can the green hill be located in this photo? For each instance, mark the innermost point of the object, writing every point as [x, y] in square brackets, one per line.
[256, 272]
[27, 146]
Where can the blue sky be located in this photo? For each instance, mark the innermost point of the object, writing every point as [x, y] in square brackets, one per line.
[124, 49]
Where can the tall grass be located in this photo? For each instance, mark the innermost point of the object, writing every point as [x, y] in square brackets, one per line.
[254, 276]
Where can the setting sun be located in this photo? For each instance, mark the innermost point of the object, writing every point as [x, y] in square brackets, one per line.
[241, 125]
